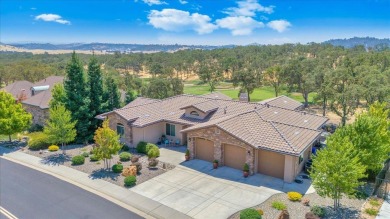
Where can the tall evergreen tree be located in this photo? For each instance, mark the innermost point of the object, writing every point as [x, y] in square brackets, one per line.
[78, 98]
[111, 96]
[95, 84]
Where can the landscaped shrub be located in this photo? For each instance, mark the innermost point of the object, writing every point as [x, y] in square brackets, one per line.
[311, 215]
[117, 168]
[134, 159]
[138, 165]
[306, 202]
[130, 181]
[129, 171]
[261, 212]
[124, 156]
[278, 205]
[148, 147]
[154, 152]
[125, 148]
[141, 147]
[93, 158]
[374, 202]
[78, 160]
[153, 162]
[294, 196]
[35, 128]
[371, 211]
[85, 154]
[249, 213]
[246, 168]
[317, 210]
[38, 141]
[53, 148]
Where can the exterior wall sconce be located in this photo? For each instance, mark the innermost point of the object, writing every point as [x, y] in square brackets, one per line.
[249, 152]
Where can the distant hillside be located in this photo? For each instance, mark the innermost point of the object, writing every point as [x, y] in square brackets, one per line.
[368, 42]
[110, 47]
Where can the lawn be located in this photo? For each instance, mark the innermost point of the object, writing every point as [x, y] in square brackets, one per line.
[262, 93]
[6, 138]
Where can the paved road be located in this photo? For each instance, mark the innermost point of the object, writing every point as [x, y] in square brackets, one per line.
[27, 193]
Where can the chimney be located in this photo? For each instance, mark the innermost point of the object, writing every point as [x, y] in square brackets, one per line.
[224, 110]
[267, 105]
[243, 97]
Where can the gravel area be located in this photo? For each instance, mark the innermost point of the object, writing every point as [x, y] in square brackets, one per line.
[96, 169]
[350, 208]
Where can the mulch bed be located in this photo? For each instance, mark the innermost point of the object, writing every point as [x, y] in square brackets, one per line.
[97, 169]
[350, 208]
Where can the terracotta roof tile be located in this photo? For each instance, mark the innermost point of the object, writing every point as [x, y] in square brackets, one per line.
[16, 88]
[283, 102]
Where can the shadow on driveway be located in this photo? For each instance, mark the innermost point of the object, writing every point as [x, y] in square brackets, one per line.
[257, 180]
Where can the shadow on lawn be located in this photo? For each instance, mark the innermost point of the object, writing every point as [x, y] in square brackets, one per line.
[104, 174]
[56, 159]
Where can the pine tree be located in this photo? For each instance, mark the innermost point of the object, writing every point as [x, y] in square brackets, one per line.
[111, 96]
[13, 118]
[95, 92]
[59, 128]
[58, 95]
[77, 98]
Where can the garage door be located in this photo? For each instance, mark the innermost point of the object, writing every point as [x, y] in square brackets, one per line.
[204, 149]
[234, 156]
[271, 163]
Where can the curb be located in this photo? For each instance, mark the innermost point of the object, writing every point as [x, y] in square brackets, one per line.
[87, 188]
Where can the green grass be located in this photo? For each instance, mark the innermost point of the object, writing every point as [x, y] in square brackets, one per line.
[6, 138]
[259, 94]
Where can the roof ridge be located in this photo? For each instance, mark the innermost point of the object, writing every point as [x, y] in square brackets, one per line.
[284, 138]
[294, 126]
[298, 111]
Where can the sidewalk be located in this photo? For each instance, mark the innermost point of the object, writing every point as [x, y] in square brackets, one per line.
[384, 212]
[130, 200]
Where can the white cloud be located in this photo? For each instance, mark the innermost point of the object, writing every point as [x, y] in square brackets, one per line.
[52, 18]
[178, 20]
[239, 25]
[33, 9]
[279, 25]
[183, 2]
[249, 8]
[154, 2]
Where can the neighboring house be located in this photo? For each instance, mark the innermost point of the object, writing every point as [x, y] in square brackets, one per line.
[283, 102]
[273, 140]
[35, 98]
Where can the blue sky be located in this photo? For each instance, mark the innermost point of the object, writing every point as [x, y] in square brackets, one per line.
[212, 22]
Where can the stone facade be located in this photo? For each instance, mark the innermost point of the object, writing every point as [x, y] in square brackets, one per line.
[114, 120]
[39, 115]
[220, 137]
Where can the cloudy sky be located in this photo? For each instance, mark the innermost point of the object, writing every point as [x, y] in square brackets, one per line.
[211, 22]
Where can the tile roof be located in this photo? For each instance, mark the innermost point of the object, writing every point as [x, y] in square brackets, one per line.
[264, 126]
[217, 95]
[140, 101]
[43, 98]
[283, 102]
[16, 88]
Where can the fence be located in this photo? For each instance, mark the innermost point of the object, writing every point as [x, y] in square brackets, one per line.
[382, 182]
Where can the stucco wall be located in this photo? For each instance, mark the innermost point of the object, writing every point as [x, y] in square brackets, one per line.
[178, 135]
[220, 137]
[292, 167]
[39, 115]
[153, 133]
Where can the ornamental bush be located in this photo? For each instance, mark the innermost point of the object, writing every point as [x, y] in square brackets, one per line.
[124, 156]
[85, 154]
[372, 211]
[93, 158]
[38, 141]
[129, 171]
[130, 181]
[78, 160]
[279, 205]
[154, 152]
[249, 213]
[125, 148]
[246, 168]
[294, 196]
[117, 168]
[53, 148]
[141, 147]
[317, 210]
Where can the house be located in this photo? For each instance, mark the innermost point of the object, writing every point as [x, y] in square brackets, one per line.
[35, 98]
[273, 138]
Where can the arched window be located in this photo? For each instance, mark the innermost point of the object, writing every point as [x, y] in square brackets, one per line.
[120, 129]
[194, 113]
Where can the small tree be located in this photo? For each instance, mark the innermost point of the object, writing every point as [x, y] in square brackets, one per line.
[13, 118]
[60, 128]
[58, 95]
[336, 170]
[107, 143]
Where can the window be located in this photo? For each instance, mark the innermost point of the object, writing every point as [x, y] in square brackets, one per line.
[170, 129]
[300, 159]
[194, 113]
[120, 129]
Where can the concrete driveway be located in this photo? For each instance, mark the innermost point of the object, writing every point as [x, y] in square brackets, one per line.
[197, 190]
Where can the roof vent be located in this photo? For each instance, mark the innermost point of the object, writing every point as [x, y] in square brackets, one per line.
[296, 133]
[267, 105]
[285, 101]
[276, 112]
[305, 120]
[171, 113]
[224, 110]
[147, 115]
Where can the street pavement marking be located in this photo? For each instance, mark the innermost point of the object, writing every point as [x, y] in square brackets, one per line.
[7, 213]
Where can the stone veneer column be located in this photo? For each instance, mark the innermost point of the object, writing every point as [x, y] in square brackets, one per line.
[190, 146]
[218, 151]
[250, 160]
